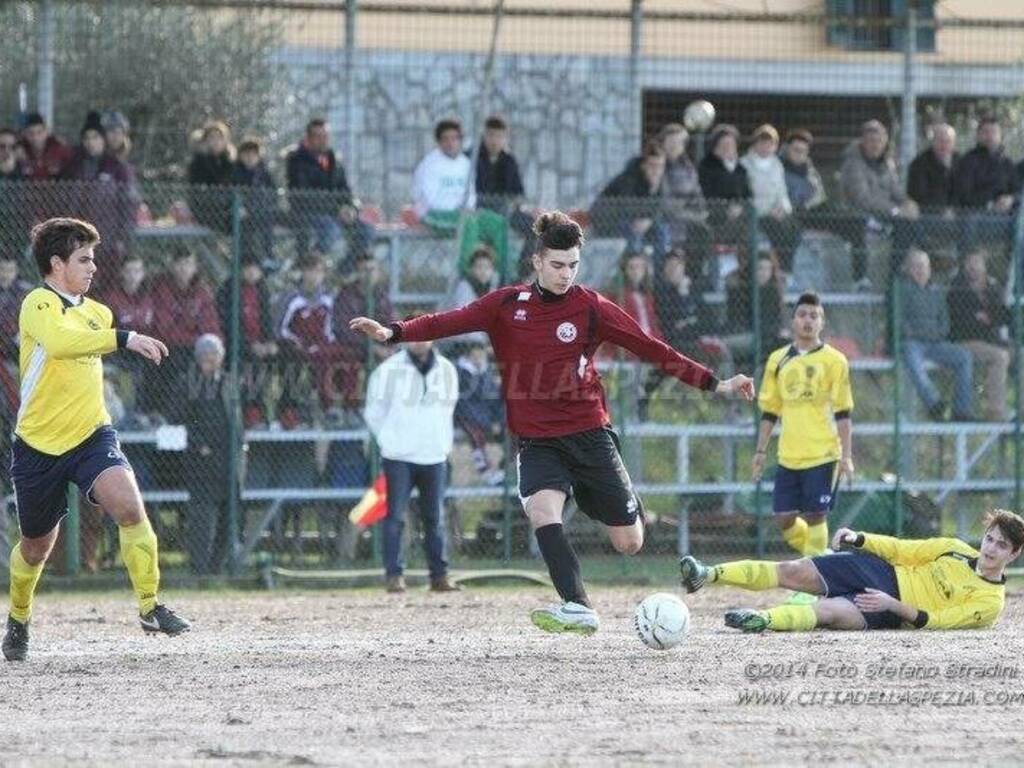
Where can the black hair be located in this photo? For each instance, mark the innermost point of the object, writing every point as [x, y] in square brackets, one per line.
[557, 232]
[808, 299]
[448, 124]
[60, 237]
[495, 123]
[316, 122]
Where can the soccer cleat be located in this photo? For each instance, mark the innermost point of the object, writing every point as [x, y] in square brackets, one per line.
[163, 619]
[692, 573]
[746, 620]
[395, 584]
[444, 584]
[16, 640]
[567, 617]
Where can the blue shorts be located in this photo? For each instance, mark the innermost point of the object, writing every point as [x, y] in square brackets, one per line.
[41, 480]
[811, 490]
[846, 574]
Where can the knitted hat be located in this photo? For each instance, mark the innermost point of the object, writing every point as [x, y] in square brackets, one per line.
[112, 119]
[92, 123]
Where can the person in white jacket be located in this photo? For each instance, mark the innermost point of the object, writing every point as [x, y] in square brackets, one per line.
[410, 404]
[443, 177]
[767, 178]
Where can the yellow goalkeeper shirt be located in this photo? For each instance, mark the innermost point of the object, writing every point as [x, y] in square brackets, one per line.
[61, 370]
[938, 576]
[807, 392]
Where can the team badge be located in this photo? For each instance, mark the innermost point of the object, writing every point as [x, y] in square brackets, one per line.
[566, 332]
[519, 315]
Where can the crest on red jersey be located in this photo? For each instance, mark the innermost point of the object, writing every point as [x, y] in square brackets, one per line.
[566, 332]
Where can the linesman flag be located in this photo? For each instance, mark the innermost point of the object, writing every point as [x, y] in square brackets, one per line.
[373, 507]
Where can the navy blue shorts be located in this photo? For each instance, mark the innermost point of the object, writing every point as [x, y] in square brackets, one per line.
[811, 490]
[846, 574]
[41, 480]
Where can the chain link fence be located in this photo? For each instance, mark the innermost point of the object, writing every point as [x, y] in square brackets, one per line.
[252, 448]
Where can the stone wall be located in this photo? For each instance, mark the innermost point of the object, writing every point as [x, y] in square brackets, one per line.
[573, 120]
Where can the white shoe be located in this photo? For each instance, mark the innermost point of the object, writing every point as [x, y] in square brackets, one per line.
[567, 617]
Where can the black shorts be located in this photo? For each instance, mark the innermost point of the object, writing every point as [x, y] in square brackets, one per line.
[812, 490]
[847, 574]
[41, 480]
[586, 465]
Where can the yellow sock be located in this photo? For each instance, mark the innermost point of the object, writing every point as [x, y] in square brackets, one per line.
[792, 618]
[749, 574]
[139, 552]
[817, 539]
[796, 535]
[24, 578]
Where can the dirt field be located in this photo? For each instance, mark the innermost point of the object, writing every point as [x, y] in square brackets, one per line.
[359, 678]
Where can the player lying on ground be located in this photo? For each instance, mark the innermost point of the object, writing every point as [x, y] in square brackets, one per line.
[806, 387]
[63, 433]
[545, 336]
[880, 582]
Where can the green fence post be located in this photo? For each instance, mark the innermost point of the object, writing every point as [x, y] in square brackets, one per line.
[895, 345]
[72, 552]
[234, 411]
[755, 311]
[1017, 253]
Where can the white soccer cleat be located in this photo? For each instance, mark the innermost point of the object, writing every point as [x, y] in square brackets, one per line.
[567, 617]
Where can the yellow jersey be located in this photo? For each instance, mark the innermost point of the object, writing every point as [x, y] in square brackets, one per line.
[807, 392]
[938, 576]
[61, 370]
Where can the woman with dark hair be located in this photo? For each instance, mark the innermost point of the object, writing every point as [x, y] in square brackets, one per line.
[211, 171]
[545, 335]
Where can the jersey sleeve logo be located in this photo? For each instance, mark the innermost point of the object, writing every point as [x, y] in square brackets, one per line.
[566, 332]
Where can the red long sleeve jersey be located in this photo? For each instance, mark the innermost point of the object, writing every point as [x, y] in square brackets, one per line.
[544, 345]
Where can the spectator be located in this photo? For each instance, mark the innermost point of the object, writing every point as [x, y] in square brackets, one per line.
[634, 293]
[210, 173]
[481, 278]
[739, 310]
[804, 186]
[11, 168]
[259, 201]
[103, 197]
[977, 315]
[682, 313]
[872, 188]
[130, 300]
[12, 290]
[725, 185]
[930, 180]
[201, 404]
[364, 292]
[45, 155]
[442, 192]
[320, 197]
[633, 205]
[499, 186]
[685, 211]
[183, 310]
[479, 412]
[257, 344]
[924, 318]
[410, 402]
[770, 196]
[985, 181]
[119, 144]
[307, 340]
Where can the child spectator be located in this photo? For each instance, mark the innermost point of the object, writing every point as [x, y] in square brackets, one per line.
[481, 278]
[12, 290]
[258, 200]
[479, 412]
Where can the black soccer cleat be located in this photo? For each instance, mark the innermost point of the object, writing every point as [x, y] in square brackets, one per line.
[163, 619]
[746, 620]
[692, 573]
[16, 640]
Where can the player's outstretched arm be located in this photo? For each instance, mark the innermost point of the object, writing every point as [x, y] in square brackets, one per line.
[740, 385]
[475, 316]
[150, 348]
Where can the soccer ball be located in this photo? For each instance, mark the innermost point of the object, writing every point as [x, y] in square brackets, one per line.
[661, 621]
[699, 116]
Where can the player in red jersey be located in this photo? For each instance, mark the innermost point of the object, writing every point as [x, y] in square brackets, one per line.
[545, 336]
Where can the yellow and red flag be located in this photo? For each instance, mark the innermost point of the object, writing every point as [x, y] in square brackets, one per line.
[373, 507]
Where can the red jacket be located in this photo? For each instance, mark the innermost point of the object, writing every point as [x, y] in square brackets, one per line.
[182, 316]
[133, 312]
[50, 163]
[544, 345]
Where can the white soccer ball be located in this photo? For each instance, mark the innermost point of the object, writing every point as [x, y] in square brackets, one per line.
[699, 116]
[661, 621]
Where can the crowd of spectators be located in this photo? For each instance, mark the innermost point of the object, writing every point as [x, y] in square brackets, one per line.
[688, 227]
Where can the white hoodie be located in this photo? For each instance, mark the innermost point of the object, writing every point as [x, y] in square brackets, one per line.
[767, 183]
[410, 414]
[439, 183]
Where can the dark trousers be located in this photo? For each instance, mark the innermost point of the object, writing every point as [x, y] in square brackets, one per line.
[402, 477]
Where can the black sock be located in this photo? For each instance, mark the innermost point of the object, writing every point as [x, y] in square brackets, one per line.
[562, 563]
